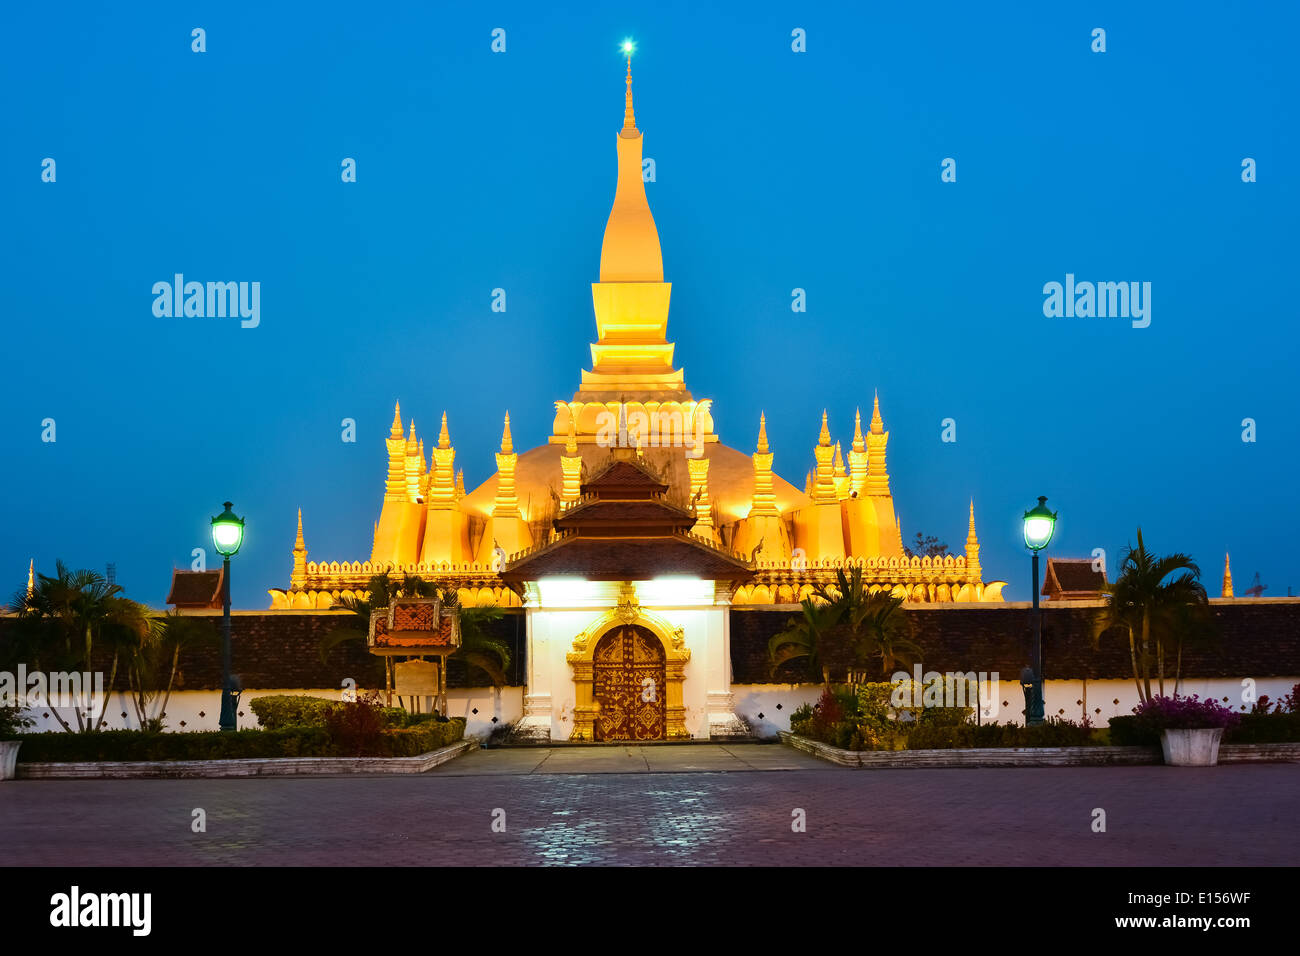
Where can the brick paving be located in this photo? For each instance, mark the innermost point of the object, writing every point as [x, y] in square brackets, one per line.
[698, 805]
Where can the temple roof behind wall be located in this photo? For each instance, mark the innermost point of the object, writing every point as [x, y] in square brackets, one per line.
[731, 479]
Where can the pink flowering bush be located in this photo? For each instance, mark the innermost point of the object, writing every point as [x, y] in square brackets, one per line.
[1184, 713]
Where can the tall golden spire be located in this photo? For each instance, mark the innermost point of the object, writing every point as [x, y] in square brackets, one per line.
[858, 459]
[764, 502]
[630, 252]
[31, 577]
[507, 442]
[507, 503]
[412, 466]
[1227, 577]
[395, 484]
[824, 453]
[972, 547]
[442, 486]
[877, 440]
[298, 579]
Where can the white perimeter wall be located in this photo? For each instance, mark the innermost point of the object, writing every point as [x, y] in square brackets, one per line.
[506, 704]
[1071, 699]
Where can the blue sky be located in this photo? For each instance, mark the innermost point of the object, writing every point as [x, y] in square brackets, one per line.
[775, 170]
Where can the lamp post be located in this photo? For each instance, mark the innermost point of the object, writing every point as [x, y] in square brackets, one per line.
[1040, 522]
[227, 536]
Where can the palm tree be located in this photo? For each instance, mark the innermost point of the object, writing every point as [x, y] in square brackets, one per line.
[65, 617]
[845, 625]
[1156, 601]
[152, 669]
[801, 639]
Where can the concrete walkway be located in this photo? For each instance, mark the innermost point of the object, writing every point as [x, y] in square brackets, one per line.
[655, 758]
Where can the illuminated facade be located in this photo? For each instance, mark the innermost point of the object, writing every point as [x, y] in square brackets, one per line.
[632, 407]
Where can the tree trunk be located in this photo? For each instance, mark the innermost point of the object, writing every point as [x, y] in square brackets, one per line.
[108, 691]
[1146, 651]
[1160, 658]
[1137, 678]
[171, 678]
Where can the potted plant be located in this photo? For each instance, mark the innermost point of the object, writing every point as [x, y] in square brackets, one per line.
[1190, 728]
[11, 722]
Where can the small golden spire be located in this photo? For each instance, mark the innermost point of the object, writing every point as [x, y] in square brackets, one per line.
[824, 439]
[31, 577]
[1227, 576]
[629, 118]
[972, 546]
[444, 436]
[507, 443]
[298, 578]
[762, 433]
[859, 443]
[877, 424]
[396, 430]
[410, 440]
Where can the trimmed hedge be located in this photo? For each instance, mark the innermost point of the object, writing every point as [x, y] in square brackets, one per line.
[1131, 730]
[864, 717]
[116, 745]
[1052, 733]
[299, 710]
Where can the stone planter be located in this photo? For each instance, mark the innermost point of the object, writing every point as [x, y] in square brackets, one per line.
[8, 758]
[1191, 748]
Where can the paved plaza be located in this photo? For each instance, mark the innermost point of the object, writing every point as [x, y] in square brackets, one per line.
[674, 805]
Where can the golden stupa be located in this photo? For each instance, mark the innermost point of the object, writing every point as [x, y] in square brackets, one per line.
[633, 397]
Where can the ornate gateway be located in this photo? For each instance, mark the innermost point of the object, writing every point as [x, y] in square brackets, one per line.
[629, 684]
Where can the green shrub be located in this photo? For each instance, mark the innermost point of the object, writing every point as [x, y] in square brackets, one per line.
[1275, 727]
[398, 717]
[421, 738]
[800, 718]
[1127, 730]
[276, 713]
[13, 721]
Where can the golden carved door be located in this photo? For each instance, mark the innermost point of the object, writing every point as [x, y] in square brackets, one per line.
[628, 683]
